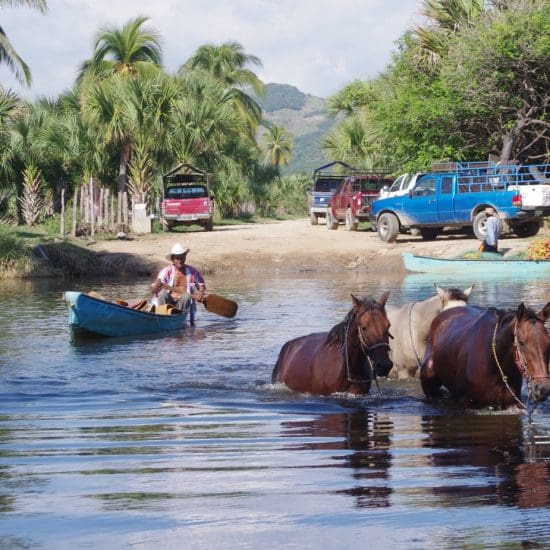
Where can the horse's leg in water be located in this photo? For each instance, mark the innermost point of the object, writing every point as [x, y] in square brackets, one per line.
[431, 385]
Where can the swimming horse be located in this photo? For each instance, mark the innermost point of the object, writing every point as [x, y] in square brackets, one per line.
[410, 326]
[345, 359]
[482, 356]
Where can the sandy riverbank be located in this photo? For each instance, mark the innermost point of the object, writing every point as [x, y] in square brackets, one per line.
[291, 245]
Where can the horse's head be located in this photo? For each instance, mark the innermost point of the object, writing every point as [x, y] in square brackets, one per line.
[532, 349]
[374, 331]
[453, 297]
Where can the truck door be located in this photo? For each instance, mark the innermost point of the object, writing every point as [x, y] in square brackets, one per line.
[423, 200]
[445, 200]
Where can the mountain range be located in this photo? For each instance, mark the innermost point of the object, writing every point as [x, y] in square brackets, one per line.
[305, 117]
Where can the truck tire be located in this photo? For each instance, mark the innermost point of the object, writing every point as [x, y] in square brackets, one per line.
[429, 233]
[331, 224]
[388, 227]
[351, 222]
[479, 225]
[313, 219]
[527, 229]
[209, 225]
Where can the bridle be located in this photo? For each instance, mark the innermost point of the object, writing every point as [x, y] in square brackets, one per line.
[366, 349]
[519, 362]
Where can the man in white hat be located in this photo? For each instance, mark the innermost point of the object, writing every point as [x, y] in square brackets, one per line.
[492, 231]
[179, 284]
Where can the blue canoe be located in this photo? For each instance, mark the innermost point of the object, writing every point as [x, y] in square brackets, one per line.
[487, 263]
[91, 315]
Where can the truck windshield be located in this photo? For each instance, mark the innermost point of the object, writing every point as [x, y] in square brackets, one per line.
[187, 192]
[326, 185]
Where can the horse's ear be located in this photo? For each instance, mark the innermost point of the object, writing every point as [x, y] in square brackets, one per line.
[521, 311]
[468, 291]
[384, 298]
[440, 292]
[545, 311]
[356, 301]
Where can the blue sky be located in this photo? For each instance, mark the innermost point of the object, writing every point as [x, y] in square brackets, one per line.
[316, 45]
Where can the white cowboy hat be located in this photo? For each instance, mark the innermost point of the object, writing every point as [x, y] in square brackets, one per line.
[177, 250]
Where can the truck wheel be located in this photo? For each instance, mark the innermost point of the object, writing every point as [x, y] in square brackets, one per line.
[331, 224]
[429, 233]
[314, 220]
[209, 225]
[388, 227]
[351, 222]
[528, 229]
[479, 225]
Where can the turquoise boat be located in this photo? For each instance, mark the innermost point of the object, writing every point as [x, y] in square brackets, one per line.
[494, 264]
[94, 316]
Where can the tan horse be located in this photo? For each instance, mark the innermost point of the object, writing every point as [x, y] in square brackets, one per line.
[410, 326]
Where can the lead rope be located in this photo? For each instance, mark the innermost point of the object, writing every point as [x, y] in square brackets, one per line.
[503, 376]
[418, 364]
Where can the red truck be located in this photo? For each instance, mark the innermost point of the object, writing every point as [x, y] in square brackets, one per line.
[187, 199]
[351, 202]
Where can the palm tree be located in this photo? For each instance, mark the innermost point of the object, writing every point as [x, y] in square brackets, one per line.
[227, 64]
[8, 55]
[445, 17]
[120, 56]
[129, 51]
[277, 146]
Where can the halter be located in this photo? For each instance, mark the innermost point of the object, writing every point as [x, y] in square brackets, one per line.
[366, 349]
[519, 362]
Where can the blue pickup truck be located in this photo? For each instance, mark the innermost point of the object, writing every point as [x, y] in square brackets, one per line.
[455, 195]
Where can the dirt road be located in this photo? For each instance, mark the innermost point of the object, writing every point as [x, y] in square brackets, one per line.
[290, 246]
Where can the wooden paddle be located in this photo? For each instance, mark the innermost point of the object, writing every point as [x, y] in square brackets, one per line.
[220, 305]
[214, 303]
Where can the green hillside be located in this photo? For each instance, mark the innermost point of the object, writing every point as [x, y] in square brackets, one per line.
[305, 117]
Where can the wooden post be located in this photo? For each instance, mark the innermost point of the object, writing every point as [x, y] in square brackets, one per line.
[92, 226]
[75, 206]
[112, 212]
[125, 211]
[100, 209]
[119, 211]
[62, 220]
[84, 204]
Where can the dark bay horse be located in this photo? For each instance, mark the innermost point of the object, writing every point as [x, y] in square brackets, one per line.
[481, 356]
[345, 359]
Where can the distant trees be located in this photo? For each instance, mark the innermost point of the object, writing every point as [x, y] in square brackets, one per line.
[472, 82]
[8, 54]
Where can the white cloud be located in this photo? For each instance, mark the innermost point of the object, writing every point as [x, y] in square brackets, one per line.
[316, 45]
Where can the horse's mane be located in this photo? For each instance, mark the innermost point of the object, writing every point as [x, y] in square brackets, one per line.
[337, 333]
[455, 294]
[506, 315]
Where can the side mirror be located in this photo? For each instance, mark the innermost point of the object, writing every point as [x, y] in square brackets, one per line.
[386, 188]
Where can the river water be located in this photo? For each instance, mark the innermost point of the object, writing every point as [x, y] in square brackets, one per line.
[180, 441]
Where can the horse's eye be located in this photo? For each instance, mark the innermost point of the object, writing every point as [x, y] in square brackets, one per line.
[521, 343]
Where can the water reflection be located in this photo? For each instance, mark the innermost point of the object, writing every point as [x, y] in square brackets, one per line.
[365, 439]
[487, 459]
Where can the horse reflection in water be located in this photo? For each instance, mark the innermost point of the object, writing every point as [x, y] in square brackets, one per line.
[410, 326]
[511, 468]
[481, 356]
[361, 441]
[345, 359]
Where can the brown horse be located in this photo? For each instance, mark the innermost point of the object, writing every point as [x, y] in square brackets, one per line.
[343, 360]
[481, 356]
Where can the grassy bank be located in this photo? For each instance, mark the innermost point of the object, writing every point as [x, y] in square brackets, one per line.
[35, 252]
